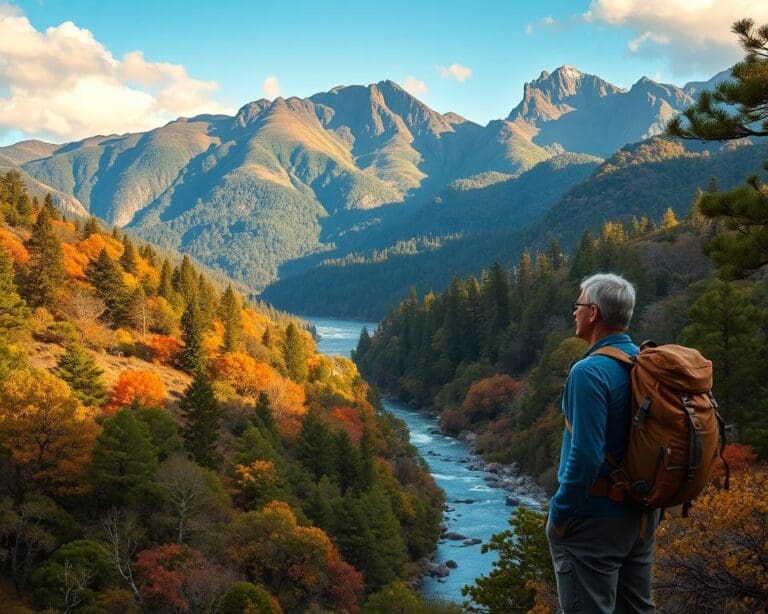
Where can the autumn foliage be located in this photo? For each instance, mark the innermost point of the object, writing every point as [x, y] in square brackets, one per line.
[715, 561]
[163, 348]
[488, 397]
[46, 432]
[136, 386]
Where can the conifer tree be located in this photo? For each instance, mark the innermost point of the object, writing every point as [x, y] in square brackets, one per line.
[192, 355]
[165, 287]
[13, 311]
[669, 219]
[202, 414]
[347, 462]
[206, 300]
[82, 374]
[293, 354]
[264, 413]
[367, 458]
[128, 258]
[123, 461]
[314, 447]
[737, 108]
[107, 277]
[49, 207]
[90, 227]
[231, 316]
[45, 269]
[185, 280]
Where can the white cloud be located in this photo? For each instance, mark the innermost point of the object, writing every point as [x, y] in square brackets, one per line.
[413, 86]
[693, 34]
[455, 71]
[529, 29]
[547, 21]
[271, 87]
[63, 84]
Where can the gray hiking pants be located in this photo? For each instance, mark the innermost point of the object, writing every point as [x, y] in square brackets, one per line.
[603, 566]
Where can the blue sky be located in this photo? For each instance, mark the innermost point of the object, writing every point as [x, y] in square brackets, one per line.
[218, 56]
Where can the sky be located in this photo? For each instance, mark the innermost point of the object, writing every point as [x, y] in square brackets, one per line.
[75, 68]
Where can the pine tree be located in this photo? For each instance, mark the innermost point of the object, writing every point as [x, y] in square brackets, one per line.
[90, 227]
[231, 316]
[128, 258]
[293, 354]
[669, 219]
[79, 370]
[107, 277]
[737, 108]
[165, 287]
[49, 207]
[14, 313]
[192, 355]
[202, 415]
[724, 327]
[314, 447]
[264, 413]
[45, 270]
[124, 460]
[347, 460]
[185, 280]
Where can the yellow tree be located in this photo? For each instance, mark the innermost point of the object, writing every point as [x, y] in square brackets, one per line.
[45, 433]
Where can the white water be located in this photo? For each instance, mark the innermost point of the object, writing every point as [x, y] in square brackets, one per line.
[475, 510]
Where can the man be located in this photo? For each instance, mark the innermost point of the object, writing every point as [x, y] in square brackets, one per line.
[602, 561]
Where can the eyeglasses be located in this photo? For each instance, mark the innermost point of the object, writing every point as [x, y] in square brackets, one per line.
[576, 305]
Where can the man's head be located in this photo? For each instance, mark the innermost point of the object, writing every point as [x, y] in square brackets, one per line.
[605, 305]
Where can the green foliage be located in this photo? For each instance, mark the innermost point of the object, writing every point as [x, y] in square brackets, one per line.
[747, 93]
[246, 597]
[293, 354]
[45, 272]
[107, 277]
[314, 446]
[231, 316]
[79, 370]
[191, 358]
[14, 313]
[724, 326]
[523, 557]
[124, 460]
[202, 414]
[399, 598]
[163, 429]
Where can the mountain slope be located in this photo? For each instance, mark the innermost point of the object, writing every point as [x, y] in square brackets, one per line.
[585, 114]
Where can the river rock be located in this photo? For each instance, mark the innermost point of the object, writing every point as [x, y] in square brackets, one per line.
[493, 467]
[436, 570]
[512, 500]
[468, 437]
[464, 501]
[451, 564]
[454, 536]
[472, 541]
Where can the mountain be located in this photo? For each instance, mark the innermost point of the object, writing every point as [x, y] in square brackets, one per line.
[585, 114]
[247, 193]
[286, 185]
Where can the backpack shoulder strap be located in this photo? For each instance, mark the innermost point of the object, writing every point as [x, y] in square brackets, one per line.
[616, 353]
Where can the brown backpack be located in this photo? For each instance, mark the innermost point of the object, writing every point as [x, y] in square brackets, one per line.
[675, 432]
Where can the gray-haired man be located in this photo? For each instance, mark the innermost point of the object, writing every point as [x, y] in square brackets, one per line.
[602, 562]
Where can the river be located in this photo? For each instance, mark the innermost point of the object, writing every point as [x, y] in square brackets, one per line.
[475, 509]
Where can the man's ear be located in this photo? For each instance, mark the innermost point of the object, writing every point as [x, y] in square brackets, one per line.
[594, 315]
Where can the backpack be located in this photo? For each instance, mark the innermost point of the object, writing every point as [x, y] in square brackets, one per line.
[675, 433]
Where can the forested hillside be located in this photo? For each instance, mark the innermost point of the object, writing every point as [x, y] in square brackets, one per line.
[502, 220]
[165, 446]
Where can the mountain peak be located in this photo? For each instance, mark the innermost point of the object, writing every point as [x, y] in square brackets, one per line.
[567, 70]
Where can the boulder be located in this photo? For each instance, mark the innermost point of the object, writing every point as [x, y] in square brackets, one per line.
[454, 536]
[451, 564]
[472, 541]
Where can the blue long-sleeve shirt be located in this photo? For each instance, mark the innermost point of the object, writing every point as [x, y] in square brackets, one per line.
[596, 403]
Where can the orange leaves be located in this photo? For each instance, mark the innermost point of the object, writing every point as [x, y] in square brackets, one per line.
[250, 377]
[75, 261]
[740, 458]
[17, 250]
[46, 432]
[93, 245]
[488, 397]
[144, 387]
[349, 419]
[246, 375]
[163, 348]
[270, 546]
[258, 474]
[162, 572]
